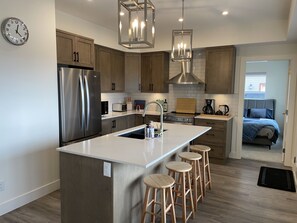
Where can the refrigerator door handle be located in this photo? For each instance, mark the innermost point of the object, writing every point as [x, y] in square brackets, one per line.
[81, 86]
[88, 102]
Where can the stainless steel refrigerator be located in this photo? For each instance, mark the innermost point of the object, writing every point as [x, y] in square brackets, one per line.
[80, 104]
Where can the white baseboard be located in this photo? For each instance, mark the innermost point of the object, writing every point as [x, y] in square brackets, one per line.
[28, 197]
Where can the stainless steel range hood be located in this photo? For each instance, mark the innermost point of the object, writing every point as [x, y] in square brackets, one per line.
[186, 76]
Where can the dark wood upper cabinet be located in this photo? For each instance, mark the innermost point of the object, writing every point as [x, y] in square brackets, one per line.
[75, 50]
[111, 65]
[220, 70]
[132, 72]
[154, 72]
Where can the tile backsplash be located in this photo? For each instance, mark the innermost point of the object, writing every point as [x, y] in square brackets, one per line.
[181, 91]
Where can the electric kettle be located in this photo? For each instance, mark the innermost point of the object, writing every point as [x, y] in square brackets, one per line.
[224, 109]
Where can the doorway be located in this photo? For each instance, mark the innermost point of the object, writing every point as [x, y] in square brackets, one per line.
[266, 79]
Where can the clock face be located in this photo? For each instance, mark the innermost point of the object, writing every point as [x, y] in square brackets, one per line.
[15, 31]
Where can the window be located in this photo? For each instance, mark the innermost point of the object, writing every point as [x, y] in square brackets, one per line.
[255, 85]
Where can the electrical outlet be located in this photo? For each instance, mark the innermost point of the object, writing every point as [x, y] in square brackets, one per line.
[107, 169]
[2, 186]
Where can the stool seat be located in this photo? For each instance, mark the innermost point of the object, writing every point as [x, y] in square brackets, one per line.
[196, 148]
[190, 156]
[180, 167]
[159, 181]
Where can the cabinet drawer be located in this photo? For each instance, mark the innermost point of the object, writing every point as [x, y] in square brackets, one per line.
[214, 124]
[214, 136]
[217, 151]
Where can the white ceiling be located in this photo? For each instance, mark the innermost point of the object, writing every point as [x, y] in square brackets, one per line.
[250, 21]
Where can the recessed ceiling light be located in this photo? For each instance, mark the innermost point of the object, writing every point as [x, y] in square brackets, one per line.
[180, 19]
[225, 13]
[122, 13]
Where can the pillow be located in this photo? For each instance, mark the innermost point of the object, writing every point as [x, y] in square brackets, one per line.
[269, 113]
[258, 113]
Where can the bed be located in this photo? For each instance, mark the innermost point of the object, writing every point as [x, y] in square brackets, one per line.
[259, 125]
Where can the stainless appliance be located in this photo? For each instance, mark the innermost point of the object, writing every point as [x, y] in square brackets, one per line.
[186, 75]
[179, 118]
[209, 108]
[80, 104]
[223, 109]
[104, 107]
[119, 107]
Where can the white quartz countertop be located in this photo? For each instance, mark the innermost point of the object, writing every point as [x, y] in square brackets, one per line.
[141, 152]
[215, 117]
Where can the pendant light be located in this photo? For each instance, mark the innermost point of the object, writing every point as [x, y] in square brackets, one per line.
[136, 24]
[182, 42]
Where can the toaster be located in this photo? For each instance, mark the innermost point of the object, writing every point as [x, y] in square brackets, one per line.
[119, 107]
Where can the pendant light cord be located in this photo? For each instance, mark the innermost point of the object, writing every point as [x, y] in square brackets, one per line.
[183, 15]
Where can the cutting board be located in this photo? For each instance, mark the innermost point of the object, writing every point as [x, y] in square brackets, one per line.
[186, 105]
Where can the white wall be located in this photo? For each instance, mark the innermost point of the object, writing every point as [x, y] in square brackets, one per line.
[29, 164]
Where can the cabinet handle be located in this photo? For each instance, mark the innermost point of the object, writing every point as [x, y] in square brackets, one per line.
[74, 56]
[77, 58]
[113, 86]
[210, 134]
[152, 87]
[114, 124]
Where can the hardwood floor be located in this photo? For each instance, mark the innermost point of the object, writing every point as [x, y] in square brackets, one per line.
[235, 197]
[43, 210]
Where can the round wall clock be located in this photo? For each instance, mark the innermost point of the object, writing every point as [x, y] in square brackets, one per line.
[15, 31]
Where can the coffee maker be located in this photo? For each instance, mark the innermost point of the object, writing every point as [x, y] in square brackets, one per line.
[209, 108]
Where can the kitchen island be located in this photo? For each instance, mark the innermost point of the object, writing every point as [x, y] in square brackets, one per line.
[102, 178]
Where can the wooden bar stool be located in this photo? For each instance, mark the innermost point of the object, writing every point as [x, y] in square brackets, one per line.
[203, 150]
[164, 183]
[194, 159]
[180, 171]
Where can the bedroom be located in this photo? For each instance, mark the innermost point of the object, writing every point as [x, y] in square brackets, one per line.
[264, 80]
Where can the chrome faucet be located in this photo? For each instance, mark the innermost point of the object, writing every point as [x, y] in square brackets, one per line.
[161, 114]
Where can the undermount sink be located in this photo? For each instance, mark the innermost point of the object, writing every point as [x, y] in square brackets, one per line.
[139, 134]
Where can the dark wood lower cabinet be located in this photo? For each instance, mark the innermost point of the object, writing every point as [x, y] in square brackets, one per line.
[218, 138]
[124, 122]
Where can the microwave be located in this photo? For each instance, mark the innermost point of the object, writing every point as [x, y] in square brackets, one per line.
[104, 107]
[119, 107]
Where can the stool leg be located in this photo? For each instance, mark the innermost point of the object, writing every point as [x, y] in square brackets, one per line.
[191, 195]
[184, 207]
[195, 185]
[153, 217]
[203, 172]
[163, 206]
[173, 216]
[200, 181]
[147, 192]
[208, 171]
